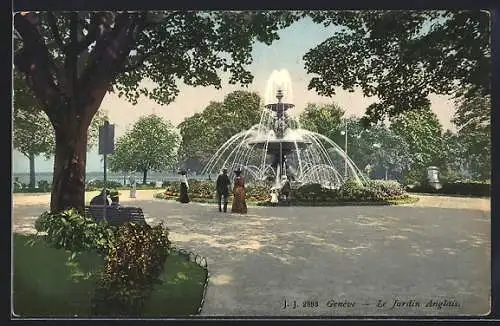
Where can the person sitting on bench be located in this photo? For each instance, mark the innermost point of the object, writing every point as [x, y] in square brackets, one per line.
[101, 199]
[115, 199]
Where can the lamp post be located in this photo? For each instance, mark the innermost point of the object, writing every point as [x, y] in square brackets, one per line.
[379, 146]
[344, 133]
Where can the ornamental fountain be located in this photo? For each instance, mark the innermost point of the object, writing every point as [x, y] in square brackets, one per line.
[278, 146]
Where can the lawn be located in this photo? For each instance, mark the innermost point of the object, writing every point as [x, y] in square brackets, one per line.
[44, 285]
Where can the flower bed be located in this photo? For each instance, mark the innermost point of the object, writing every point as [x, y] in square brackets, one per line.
[204, 191]
[372, 192]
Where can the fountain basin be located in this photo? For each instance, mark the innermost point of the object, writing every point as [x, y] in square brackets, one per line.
[274, 145]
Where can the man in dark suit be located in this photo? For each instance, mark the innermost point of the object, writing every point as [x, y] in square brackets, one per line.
[101, 199]
[222, 189]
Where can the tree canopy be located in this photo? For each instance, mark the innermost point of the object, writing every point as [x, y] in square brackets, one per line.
[473, 120]
[321, 118]
[423, 132]
[402, 56]
[151, 144]
[70, 60]
[33, 133]
[204, 133]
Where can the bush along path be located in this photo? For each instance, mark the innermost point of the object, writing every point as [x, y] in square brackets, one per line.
[373, 192]
[135, 271]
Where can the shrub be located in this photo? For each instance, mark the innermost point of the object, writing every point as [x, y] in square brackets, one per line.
[201, 189]
[73, 232]
[456, 188]
[352, 190]
[386, 188]
[99, 184]
[308, 192]
[44, 185]
[172, 188]
[134, 264]
[258, 192]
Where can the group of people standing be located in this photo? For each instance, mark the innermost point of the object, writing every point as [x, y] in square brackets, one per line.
[223, 189]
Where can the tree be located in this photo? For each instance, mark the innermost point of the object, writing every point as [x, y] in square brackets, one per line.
[402, 56]
[33, 133]
[423, 133]
[72, 59]
[204, 133]
[321, 118]
[151, 144]
[381, 147]
[472, 118]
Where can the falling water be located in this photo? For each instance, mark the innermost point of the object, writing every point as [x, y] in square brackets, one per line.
[310, 157]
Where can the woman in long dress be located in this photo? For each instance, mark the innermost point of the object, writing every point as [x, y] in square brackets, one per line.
[184, 196]
[239, 202]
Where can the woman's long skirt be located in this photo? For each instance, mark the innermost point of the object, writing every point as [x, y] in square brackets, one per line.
[184, 197]
[239, 202]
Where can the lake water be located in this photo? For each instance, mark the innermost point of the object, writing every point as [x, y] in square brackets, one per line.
[117, 177]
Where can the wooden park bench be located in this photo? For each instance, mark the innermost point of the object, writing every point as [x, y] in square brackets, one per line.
[116, 216]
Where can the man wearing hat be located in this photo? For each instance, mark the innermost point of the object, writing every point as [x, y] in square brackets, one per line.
[101, 199]
[115, 198]
[222, 189]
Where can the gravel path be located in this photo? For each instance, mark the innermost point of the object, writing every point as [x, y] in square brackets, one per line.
[344, 259]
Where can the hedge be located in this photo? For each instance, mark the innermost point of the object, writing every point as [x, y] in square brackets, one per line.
[456, 188]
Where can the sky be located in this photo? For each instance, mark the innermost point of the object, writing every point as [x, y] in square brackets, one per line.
[285, 53]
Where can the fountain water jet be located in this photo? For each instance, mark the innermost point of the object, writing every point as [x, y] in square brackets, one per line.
[278, 146]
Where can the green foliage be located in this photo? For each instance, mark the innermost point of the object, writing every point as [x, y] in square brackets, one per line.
[258, 192]
[151, 144]
[67, 57]
[33, 134]
[423, 133]
[386, 189]
[322, 118]
[43, 186]
[73, 232]
[45, 285]
[201, 189]
[204, 191]
[402, 56]
[133, 266]
[456, 188]
[472, 118]
[99, 184]
[203, 133]
[350, 191]
[46, 282]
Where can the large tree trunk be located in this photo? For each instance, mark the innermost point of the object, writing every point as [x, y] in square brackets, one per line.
[144, 176]
[68, 186]
[71, 96]
[32, 171]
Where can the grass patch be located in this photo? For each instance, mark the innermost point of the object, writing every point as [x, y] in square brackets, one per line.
[181, 291]
[46, 286]
[43, 282]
